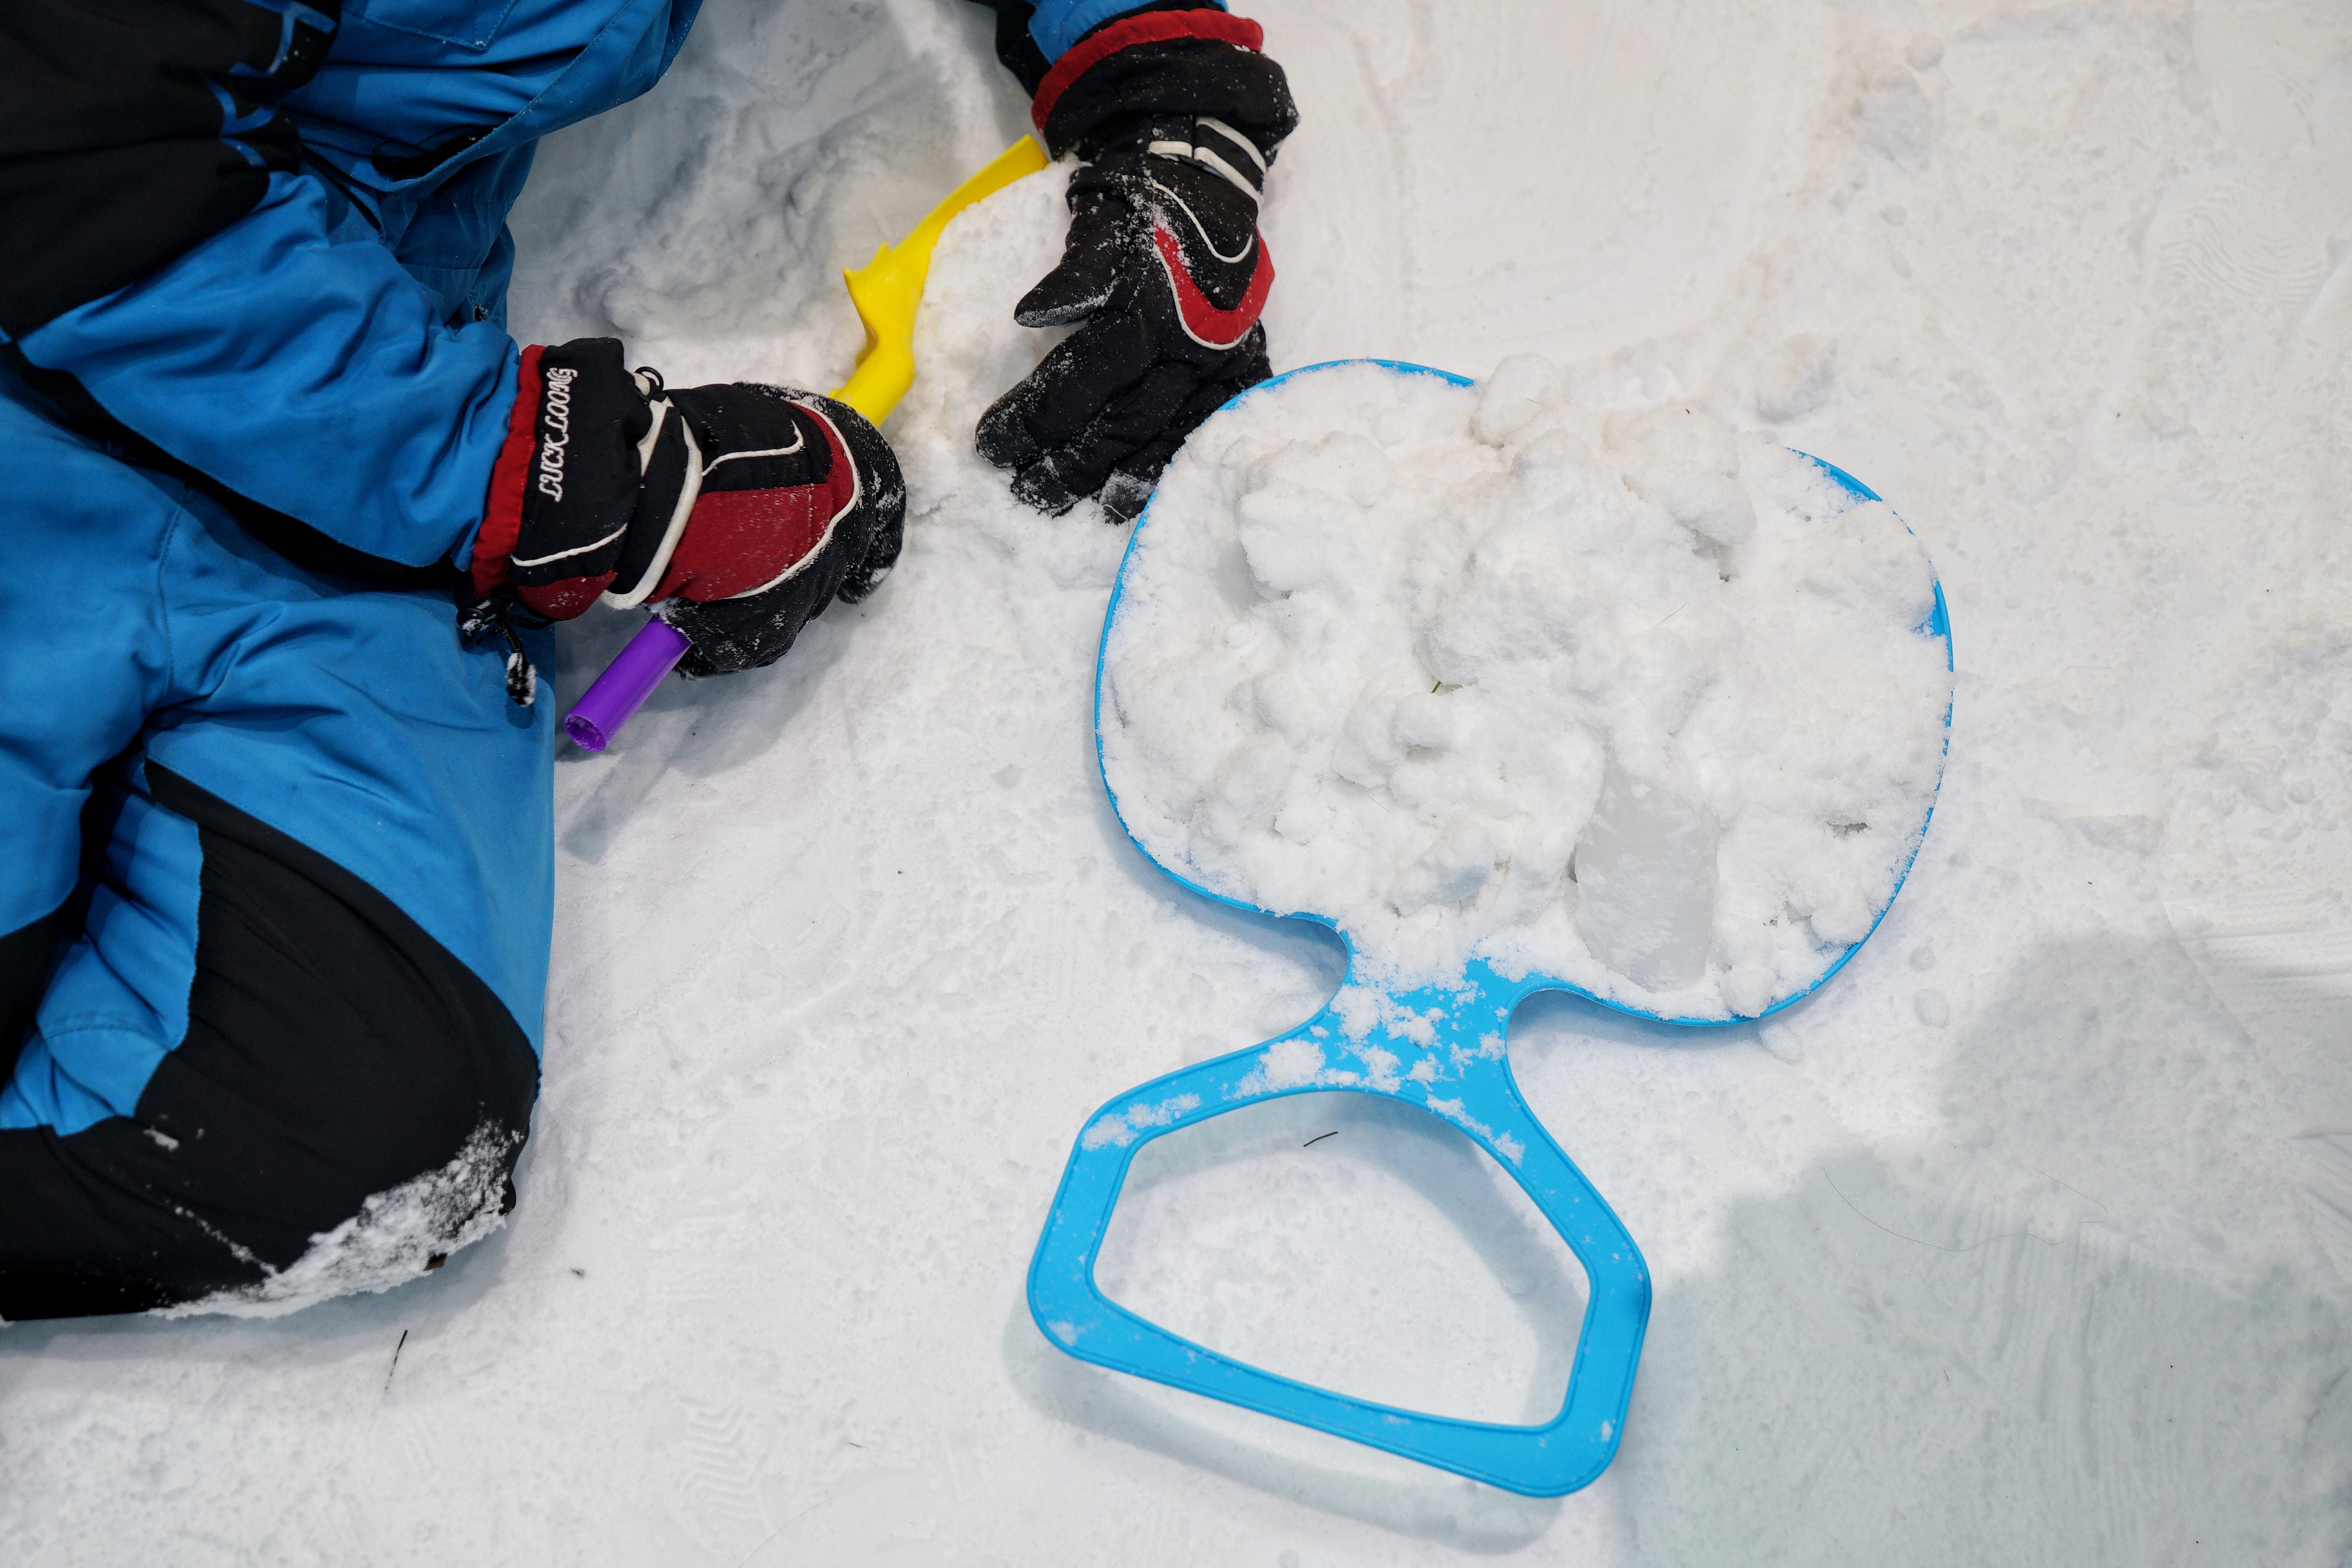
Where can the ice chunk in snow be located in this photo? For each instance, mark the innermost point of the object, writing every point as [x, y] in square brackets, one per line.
[1645, 880]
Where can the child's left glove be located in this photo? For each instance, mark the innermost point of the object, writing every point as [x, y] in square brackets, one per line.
[744, 509]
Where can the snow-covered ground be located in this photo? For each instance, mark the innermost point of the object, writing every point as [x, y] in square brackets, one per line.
[2027, 1241]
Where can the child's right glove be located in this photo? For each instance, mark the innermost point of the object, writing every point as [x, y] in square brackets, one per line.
[1165, 270]
[1178, 113]
[743, 509]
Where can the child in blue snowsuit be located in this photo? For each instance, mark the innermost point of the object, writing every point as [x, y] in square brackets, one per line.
[287, 514]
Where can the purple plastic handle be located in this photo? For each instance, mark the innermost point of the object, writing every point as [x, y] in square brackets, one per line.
[625, 684]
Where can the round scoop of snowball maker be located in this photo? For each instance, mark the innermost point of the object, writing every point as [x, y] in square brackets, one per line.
[1623, 698]
[1518, 697]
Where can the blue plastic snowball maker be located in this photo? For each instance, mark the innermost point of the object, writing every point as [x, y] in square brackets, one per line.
[1441, 1048]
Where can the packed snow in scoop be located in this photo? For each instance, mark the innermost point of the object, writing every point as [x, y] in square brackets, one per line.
[1630, 699]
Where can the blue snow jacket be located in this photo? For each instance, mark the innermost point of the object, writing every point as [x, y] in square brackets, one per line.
[270, 240]
[254, 378]
[267, 237]
[258, 248]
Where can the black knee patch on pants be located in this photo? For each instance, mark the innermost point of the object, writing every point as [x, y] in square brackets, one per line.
[25, 955]
[334, 1051]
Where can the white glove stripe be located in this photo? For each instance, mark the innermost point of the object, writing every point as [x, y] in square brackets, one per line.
[661, 405]
[575, 550]
[800, 439]
[1186, 151]
[687, 492]
[1202, 232]
[1237, 138]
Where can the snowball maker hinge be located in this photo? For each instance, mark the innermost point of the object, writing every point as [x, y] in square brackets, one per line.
[1440, 1048]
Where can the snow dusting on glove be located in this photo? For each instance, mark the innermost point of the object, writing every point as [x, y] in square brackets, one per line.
[1164, 272]
[743, 509]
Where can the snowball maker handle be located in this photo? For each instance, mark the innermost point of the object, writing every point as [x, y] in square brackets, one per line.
[1450, 1062]
[625, 684]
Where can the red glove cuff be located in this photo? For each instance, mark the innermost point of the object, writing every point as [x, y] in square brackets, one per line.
[494, 544]
[1151, 27]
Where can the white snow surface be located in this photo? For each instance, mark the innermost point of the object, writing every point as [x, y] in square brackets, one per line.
[2027, 1239]
[1627, 700]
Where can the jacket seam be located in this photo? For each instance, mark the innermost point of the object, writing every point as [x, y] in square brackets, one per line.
[163, 594]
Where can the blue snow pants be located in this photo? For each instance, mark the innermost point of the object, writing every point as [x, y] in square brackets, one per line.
[275, 847]
[276, 885]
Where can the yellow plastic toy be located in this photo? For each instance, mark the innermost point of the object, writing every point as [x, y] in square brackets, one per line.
[887, 289]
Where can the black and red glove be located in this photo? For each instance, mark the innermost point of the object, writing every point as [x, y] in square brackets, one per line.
[743, 509]
[1178, 114]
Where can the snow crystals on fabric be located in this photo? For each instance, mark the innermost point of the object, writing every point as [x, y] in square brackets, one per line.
[397, 1235]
